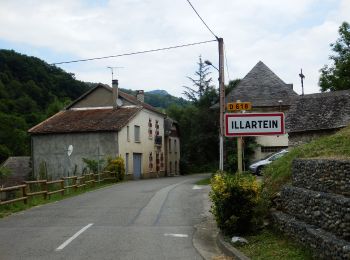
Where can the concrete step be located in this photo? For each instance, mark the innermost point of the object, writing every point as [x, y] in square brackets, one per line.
[330, 212]
[326, 175]
[325, 245]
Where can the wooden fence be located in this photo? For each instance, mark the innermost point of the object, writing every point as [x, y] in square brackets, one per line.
[45, 188]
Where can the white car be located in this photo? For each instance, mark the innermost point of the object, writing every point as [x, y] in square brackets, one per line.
[259, 165]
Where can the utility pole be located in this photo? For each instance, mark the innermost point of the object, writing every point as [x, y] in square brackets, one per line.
[222, 100]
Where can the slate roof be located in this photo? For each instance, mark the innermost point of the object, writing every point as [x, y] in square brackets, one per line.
[132, 99]
[88, 120]
[263, 88]
[320, 111]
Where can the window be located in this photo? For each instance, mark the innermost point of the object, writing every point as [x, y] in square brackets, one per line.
[137, 134]
[128, 134]
[157, 128]
[162, 161]
[175, 146]
[272, 149]
[169, 145]
[170, 167]
[175, 167]
[126, 163]
[150, 132]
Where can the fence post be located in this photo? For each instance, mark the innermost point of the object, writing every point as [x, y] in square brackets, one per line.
[24, 194]
[62, 187]
[45, 187]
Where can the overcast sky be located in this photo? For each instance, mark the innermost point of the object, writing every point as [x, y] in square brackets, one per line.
[286, 35]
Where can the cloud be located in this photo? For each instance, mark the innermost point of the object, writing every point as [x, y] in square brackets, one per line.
[286, 35]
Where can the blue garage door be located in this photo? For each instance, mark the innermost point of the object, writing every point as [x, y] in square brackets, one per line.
[137, 165]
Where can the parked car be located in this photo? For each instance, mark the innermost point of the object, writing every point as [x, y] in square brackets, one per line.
[257, 167]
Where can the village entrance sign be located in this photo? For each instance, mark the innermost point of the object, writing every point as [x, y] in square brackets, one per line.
[254, 124]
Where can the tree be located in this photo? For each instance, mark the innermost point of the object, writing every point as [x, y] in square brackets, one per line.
[201, 83]
[337, 76]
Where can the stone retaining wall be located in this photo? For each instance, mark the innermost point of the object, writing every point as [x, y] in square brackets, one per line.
[325, 245]
[316, 208]
[328, 211]
[325, 175]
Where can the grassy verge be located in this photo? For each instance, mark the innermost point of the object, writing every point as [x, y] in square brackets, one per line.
[269, 244]
[203, 182]
[6, 210]
[279, 172]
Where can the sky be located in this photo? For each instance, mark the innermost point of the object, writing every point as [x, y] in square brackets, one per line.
[286, 35]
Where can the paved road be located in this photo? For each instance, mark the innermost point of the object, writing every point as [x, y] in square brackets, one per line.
[147, 219]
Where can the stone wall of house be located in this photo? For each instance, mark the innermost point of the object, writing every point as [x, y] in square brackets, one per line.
[299, 138]
[315, 209]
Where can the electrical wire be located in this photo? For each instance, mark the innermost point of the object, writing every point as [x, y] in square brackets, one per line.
[134, 53]
[194, 9]
[226, 63]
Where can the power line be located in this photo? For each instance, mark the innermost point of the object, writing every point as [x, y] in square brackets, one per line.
[202, 19]
[226, 63]
[134, 53]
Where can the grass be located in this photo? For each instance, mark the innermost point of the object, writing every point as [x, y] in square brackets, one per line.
[269, 244]
[279, 172]
[9, 209]
[203, 182]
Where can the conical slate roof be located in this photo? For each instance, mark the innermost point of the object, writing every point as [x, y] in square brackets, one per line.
[263, 88]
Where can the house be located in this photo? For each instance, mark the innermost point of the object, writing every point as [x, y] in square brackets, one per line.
[315, 115]
[172, 146]
[267, 93]
[104, 122]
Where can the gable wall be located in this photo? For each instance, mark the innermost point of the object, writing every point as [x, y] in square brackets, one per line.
[51, 149]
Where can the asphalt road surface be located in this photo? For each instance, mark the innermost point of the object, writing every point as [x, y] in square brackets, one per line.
[146, 219]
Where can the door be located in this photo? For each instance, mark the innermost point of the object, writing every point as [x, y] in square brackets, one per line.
[137, 165]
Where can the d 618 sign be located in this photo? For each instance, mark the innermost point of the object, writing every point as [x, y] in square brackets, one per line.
[239, 106]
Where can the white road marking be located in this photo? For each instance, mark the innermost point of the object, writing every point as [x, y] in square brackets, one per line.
[73, 237]
[196, 187]
[175, 235]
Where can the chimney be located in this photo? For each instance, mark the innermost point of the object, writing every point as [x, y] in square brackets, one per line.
[140, 95]
[115, 92]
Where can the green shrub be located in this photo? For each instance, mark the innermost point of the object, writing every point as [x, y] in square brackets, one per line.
[235, 199]
[93, 165]
[117, 167]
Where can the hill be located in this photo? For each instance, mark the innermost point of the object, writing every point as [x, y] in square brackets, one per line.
[30, 91]
[160, 98]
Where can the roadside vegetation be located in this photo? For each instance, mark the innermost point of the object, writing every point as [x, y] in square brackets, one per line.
[114, 167]
[241, 204]
[9, 209]
[271, 244]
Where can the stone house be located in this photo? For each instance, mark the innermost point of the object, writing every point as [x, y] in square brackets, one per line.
[103, 122]
[315, 115]
[267, 93]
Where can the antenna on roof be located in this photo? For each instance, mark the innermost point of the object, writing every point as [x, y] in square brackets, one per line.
[302, 76]
[112, 70]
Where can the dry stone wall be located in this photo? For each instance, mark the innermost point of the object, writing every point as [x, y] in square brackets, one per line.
[315, 209]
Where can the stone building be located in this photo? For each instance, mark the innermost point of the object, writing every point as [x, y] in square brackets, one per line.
[101, 123]
[267, 93]
[315, 115]
[172, 146]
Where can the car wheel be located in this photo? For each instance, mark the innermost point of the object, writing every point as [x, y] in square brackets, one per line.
[259, 171]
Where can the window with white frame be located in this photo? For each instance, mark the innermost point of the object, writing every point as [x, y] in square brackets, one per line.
[128, 133]
[150, 131]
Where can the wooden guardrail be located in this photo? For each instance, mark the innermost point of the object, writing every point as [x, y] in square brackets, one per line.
[44, 187]
[18, 187]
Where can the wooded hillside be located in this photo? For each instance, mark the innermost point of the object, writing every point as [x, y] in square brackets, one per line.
[30, 91]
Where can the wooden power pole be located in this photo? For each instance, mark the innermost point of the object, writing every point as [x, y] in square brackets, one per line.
[222, 100]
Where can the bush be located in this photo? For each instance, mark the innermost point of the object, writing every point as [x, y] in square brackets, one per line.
[235, 202]
[93, 165]
[117, 167]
